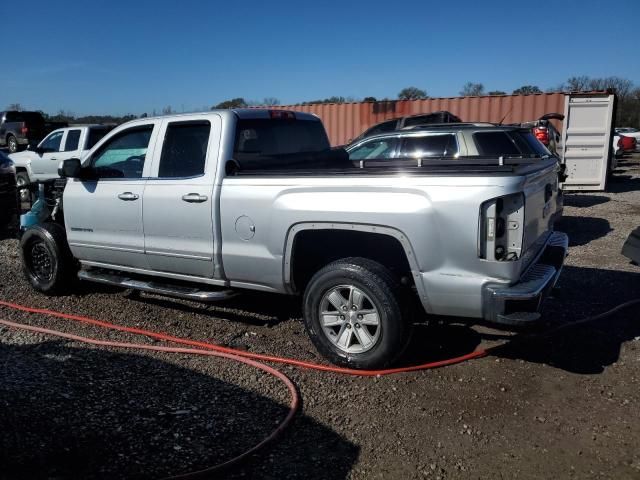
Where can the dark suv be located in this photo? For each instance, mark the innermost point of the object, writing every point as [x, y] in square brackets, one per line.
[19, 129]
[411, 121]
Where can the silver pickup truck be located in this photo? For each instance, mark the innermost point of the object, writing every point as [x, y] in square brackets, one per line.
[200, 206]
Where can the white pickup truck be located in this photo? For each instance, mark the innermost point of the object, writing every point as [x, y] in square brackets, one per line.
[40, 163]
[200, 206]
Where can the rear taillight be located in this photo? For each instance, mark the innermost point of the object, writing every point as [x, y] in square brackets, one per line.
[282, 114]
[502, 228]
[542, 134]
[24, 130]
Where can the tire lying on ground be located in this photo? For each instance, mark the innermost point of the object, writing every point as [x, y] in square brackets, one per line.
[47, 262]
[355, 313]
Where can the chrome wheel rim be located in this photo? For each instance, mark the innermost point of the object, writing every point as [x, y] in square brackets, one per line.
[41, 264]
[13, 145]
[25, 195]
[349, 319]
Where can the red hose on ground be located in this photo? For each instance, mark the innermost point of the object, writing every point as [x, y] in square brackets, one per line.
[249, 359]
[293, 407]
[241, 353]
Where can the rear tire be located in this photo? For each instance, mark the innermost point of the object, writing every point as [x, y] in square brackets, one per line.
[12, 144]
[355, 312]
[47, 262]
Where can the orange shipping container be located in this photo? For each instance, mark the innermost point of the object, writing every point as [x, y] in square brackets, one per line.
[345, 121]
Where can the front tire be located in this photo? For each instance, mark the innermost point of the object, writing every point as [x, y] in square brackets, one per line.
[355, 313]
[47, 262]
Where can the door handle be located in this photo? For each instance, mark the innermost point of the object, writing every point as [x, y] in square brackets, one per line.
[128, 196]
[194, 198]
[54, 159]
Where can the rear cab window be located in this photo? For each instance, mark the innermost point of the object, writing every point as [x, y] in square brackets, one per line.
[278, 143]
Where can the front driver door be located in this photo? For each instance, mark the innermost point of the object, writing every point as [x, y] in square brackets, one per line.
[103, 210]
[45, 166]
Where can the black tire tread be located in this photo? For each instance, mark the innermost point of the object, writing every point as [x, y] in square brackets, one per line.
[55, 235]
[374, 276]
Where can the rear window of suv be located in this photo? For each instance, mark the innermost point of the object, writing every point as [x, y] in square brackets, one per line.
[516, 142]
[495, 144]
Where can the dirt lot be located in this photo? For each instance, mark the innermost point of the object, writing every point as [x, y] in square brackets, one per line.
[567, 407]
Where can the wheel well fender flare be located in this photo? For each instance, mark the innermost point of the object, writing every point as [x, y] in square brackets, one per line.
[295, 229]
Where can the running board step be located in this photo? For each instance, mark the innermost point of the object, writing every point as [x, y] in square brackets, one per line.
[169, 290]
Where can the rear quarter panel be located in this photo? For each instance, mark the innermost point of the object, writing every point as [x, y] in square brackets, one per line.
[439, 216]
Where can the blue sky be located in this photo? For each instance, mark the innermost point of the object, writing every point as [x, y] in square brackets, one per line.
[117, 57]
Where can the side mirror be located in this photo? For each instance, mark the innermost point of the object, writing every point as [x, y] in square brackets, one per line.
[70, 168]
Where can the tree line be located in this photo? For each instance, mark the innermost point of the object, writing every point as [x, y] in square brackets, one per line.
[627, 111]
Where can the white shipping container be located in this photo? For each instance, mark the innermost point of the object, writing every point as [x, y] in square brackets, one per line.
[586, 140]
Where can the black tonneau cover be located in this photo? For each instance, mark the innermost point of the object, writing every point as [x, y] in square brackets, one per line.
[336, 161]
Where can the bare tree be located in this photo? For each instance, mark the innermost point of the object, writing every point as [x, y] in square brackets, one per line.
[167, 110]
[270, 101]
[412, 93]
[578, 84]
[496, 92]
[471, 89]
[14, 106]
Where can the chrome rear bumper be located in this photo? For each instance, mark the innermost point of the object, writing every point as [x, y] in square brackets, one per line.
[520, 303]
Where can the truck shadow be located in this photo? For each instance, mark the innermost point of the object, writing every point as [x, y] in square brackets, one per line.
[583, 201]
[587, 348]
[76, 412]
[582, 230]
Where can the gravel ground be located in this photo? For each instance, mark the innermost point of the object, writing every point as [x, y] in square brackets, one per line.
[565, 407]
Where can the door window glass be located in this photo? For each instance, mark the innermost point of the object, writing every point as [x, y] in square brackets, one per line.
[376, 149]
[52, 142]
[123, 155]
[429, 146]
[72, 141]
[184, 151]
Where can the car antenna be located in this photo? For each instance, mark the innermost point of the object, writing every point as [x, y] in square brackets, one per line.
[506, 115]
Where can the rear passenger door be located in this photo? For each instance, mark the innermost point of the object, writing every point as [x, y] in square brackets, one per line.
[179, 207]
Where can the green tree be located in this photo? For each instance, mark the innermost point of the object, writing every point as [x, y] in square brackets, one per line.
[471, 89]
[496, 92]
[527, 90]
[412, 93]
[233, 103]
[369, 99]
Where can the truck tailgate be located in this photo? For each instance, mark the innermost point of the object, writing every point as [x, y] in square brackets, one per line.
[541, 205]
